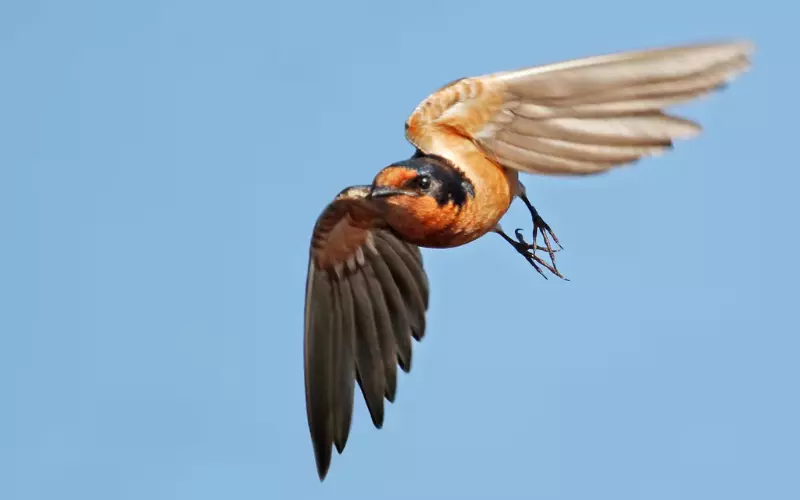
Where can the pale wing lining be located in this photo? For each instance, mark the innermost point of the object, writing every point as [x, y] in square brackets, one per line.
[590, 115]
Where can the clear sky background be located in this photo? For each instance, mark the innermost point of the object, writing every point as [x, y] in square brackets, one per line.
[162, 164]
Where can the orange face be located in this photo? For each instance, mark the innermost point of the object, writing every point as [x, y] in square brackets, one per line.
[420, 200]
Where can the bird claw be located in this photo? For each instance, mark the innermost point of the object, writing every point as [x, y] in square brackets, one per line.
[532, 246]
[543, 228]
[528, 250]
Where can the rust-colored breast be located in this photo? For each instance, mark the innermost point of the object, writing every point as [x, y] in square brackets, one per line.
[494, 187]
[422, 221]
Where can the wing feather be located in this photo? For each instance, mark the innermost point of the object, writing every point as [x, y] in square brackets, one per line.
[410, 290]
[369, 367]
[577, 117]
[366, 296]
[604, 153]
[319, 365]
[655, 129]
[346, 371]
[384, 331]
[412, 262]
[398, 311]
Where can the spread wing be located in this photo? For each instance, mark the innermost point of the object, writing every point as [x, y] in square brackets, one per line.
[577, 117]
[366, 297]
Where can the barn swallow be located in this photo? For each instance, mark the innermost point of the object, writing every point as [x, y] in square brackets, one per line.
[367, 288]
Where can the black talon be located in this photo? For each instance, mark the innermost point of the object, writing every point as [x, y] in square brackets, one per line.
[529, 252]
[521, 240]
[543, 228]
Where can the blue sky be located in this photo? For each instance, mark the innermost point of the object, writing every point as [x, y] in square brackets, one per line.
[161, 166]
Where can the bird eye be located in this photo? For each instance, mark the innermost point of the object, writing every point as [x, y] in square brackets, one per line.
[423, 182]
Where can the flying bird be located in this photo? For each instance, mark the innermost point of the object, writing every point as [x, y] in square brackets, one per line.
[367, 288]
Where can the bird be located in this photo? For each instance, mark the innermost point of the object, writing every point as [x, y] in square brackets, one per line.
[367, 289]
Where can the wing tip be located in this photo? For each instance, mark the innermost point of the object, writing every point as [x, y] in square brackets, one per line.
[732, 47]
[741, 44]
[404, 364]
[322, 455]
[341, 444]
[744, 46]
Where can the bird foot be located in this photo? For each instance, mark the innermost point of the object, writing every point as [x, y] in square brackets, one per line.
[541, 227]
[528, 250]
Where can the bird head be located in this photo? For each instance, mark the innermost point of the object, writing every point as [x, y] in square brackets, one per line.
[421, 197]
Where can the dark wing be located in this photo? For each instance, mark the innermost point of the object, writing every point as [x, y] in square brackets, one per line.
[577, 117]
[366, 297]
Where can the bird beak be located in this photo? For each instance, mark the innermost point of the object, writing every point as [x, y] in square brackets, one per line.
[385, 192]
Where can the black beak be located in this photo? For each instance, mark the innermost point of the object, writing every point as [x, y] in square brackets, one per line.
[384, 192]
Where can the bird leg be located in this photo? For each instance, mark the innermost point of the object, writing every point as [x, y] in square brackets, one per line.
[528, 251]
[540, 226]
